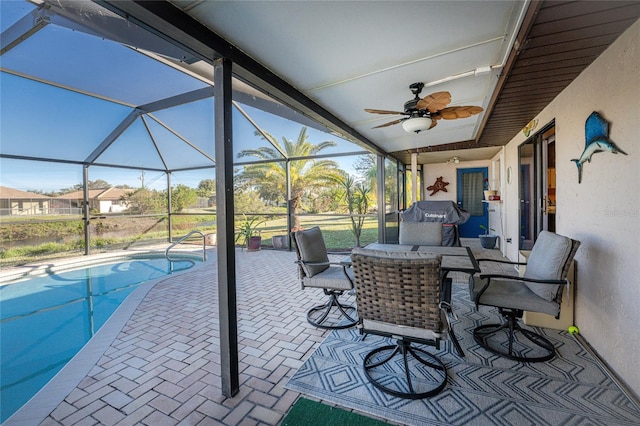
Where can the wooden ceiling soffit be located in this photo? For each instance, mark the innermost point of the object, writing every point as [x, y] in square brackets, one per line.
[557, 41]
[527, 23]
[469, 144]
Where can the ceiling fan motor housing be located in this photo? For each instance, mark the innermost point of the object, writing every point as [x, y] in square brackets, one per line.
[410, 106]
[416, 88]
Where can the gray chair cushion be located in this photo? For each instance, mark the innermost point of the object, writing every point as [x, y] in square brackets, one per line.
[312, 249]
[332, 278]
[511, 294]
[547, 262]
[421, 233]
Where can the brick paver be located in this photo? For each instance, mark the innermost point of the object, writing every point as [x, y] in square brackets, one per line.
[163, 367]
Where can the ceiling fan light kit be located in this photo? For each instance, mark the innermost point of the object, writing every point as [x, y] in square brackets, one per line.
[416, 124]
[424, 113]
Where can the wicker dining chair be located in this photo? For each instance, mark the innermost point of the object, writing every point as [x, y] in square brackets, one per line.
[539, 290]
[398, 296]
[316, 271]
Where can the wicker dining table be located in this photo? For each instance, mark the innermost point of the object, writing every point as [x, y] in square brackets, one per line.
[454, 259]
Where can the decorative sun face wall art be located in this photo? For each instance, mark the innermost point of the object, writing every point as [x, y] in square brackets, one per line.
[438, 185]
[596, 135]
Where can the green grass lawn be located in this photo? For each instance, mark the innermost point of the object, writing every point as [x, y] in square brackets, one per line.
[336, 231]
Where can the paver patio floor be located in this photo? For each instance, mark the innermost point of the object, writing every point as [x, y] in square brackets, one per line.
[157, 360]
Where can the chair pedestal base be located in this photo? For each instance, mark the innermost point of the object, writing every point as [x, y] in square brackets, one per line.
[413, 389]
[511, 328]
[320, 316]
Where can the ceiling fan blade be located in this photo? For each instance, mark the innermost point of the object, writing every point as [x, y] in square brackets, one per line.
[434, 123]
[391, 123]
[455, 112]
[435, 101]
[383, 111]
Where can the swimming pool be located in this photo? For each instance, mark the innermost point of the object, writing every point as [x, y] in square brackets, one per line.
[45, 320]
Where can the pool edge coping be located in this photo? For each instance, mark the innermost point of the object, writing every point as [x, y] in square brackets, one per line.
[46, 267]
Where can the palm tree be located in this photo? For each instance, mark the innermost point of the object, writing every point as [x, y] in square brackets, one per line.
[367, 168]
[307, 175]
[356, 195]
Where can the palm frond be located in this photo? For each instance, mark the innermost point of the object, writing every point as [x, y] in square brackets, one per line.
[263, 153]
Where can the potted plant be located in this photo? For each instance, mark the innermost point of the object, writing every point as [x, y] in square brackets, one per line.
[249, 233]
[487, 240]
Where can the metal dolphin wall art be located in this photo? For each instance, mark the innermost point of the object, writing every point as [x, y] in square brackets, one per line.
[596, 131]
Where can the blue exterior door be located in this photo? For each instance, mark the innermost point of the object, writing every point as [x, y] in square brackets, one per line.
[471, 184]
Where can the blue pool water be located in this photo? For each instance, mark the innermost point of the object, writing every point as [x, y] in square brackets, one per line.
[46, 320]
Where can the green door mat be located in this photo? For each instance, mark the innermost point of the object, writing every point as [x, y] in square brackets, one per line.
[308, 412]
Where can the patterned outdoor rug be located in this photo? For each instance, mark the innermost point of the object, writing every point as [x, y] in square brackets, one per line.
[481, 388]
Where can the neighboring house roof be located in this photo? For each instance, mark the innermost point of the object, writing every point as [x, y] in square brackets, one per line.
[98, 194]
[16, 194]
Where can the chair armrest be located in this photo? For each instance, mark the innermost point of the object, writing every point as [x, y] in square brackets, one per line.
[488, 277]
[345, 262]
[302, 262]
[500, 261]
[341, 263]
[518, 278]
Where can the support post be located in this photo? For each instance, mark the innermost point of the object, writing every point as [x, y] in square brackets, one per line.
[85, 209]
[225, 225]
[414, 177]
[382, 207]
[289, 212]
[422, 184]
[169, 215]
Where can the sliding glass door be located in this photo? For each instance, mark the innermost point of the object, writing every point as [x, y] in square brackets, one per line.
[537, 186]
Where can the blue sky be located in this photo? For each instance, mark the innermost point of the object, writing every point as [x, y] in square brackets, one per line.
[77, 124]
[40, 120]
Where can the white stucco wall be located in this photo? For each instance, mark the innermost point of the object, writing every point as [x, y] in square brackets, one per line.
[603, 212]
[449, 173]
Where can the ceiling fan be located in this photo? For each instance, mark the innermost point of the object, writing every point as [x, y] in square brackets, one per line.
[424, 113]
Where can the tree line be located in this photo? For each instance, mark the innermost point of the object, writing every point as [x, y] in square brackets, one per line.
[317, 185]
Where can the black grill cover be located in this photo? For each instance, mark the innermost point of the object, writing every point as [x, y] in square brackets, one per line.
[446, 212]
